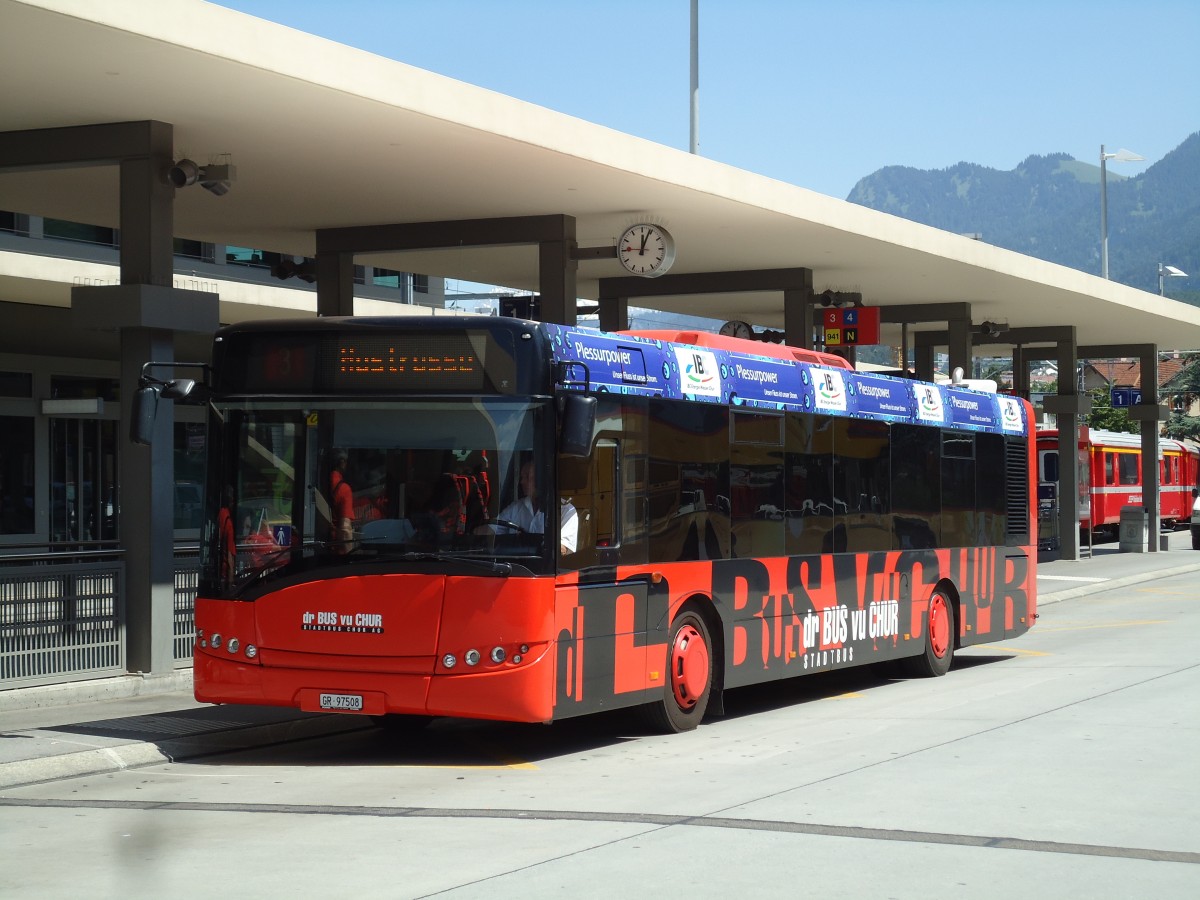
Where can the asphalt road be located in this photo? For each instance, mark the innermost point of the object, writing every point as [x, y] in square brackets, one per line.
[1062, 765]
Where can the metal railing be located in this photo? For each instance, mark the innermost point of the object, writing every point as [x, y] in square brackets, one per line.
[187, 580]
[63, 615]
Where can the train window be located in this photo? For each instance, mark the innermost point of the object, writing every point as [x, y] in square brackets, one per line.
[1110, 468]
[1127, 468]
[1049, 465]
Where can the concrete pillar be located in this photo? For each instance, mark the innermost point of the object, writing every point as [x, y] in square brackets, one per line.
[335, 283]
[1149, 414]
[614, 314]
[799, 313]
[960, 346]
[557, 276]
[147, 492]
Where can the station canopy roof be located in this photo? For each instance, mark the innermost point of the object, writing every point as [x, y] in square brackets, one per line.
[325, 136]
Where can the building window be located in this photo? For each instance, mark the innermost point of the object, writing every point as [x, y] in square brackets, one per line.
[16, 475]
[246, 256]
[388, 278]
[14, 223]
[420, 284]
[16, 384]
[197, 250]
[83, 387]
[189, 474]
[79, 232]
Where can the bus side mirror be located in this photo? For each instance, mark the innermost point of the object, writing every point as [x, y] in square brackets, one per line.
[179, 389]
[145, 410]
[578, 423]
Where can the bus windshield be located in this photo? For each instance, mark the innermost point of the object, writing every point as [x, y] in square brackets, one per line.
[300, 484]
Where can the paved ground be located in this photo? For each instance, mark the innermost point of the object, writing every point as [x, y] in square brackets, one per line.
[113, 724]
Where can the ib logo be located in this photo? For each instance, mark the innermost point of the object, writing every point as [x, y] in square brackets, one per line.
[830, 390]
[929, 403]
[698, 372]
[1010, 415]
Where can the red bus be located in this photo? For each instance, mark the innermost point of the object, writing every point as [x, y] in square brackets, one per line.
[720, 515]
[1110, 475]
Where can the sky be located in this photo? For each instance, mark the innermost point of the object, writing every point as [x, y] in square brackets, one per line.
[815, 94]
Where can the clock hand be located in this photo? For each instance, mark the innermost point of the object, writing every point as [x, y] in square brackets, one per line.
[645, 234]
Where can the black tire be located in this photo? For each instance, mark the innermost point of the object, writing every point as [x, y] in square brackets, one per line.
[689, 678]
[939, 639]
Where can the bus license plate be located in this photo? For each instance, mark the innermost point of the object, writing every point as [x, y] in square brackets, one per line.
[343, 702]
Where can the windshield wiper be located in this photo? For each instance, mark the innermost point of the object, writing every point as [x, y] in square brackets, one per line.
[490, 566]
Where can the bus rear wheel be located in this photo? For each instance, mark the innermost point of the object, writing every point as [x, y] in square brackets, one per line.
[939, 639]
[689, 677]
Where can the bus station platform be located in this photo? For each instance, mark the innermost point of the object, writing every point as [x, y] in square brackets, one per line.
[106, 725]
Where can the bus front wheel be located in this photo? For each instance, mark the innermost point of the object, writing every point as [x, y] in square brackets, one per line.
[689, 677]
[939, 639]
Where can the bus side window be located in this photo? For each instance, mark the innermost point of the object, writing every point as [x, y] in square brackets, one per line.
[756, 483]
[808, 483]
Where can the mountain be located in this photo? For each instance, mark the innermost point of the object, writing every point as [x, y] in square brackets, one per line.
[1049, 207]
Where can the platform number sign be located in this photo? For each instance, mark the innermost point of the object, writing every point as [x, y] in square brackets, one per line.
[851, 326]
[1126, 397]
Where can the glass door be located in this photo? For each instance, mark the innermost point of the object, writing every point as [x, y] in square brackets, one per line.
[83, 481]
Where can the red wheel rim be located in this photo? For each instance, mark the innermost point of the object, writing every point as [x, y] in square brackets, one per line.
[939, 625]
[689, 666]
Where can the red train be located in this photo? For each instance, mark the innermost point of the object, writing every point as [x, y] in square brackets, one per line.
[1110, 475]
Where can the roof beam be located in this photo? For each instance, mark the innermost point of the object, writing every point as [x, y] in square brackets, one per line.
[80, 145]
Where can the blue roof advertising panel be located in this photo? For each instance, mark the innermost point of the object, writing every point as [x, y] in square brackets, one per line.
[631, 364]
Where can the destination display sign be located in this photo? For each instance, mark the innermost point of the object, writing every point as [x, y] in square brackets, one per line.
[458, 361]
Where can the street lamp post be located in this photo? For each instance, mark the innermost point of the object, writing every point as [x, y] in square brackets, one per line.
[1165, 272]
[1119, 156]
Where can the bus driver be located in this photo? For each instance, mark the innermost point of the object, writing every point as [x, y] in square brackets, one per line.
[528, 513]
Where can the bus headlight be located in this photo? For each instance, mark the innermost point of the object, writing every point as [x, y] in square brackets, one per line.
[498, 654]
[233, 645]
[449, 661]
[472, 657]
[251, 651]
[215, 640]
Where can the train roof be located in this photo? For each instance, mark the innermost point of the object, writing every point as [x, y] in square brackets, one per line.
[1099, 437]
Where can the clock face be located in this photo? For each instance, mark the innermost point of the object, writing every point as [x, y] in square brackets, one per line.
[736, 329]
[646, 250]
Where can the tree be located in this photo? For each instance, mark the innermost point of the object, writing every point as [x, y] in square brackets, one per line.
[1182, 427]
[1107, 417]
